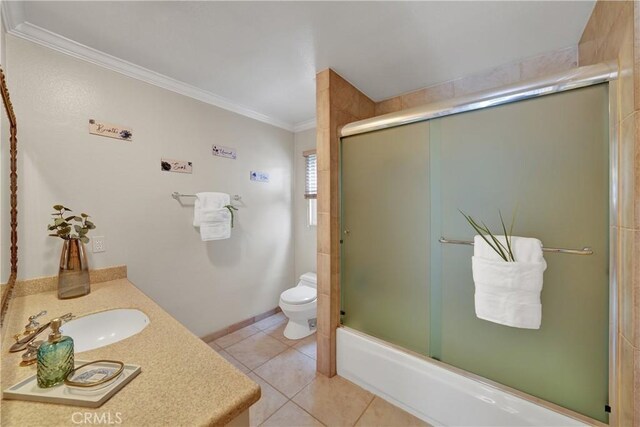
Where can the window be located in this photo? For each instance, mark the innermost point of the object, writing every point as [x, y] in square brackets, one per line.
[312, 208]
[311, 186]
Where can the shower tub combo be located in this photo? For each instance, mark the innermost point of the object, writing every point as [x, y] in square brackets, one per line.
[544, 149]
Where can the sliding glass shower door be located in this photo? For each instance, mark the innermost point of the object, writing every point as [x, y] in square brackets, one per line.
[546, 159]
[385, 221]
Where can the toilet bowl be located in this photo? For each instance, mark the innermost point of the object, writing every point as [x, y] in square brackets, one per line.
[299, 304]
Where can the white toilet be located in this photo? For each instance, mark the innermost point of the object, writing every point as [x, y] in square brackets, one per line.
[299, 304]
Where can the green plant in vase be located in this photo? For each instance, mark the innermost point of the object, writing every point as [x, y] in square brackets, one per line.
[65, 227]
[73, 275]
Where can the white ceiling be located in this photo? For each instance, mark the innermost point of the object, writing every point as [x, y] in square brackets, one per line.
[262, 57]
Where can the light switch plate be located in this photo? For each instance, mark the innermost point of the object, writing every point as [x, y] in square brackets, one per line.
[99, 244]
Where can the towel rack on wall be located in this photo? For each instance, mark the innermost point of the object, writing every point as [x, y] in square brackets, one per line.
[177, 196]
[583, 251]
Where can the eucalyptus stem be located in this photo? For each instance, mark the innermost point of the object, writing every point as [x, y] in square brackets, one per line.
[231, 208]
[64, 227]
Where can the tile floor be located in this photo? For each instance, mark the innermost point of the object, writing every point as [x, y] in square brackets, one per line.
[293, 394]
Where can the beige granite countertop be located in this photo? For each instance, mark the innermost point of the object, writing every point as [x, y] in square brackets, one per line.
[182, 383]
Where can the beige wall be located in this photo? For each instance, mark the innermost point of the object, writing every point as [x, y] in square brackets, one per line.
[505, 74]
[609, 35]
[305, 235]
[206, 286]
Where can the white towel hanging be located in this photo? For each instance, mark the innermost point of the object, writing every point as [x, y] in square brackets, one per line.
[211, 216]
[509, 292]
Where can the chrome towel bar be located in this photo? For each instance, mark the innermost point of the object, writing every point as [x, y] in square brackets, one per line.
[583, 251]
[177, 196]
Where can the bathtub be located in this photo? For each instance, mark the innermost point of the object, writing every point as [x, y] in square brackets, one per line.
[432, 392]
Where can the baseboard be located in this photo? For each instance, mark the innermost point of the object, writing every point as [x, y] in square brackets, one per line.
[239, 325]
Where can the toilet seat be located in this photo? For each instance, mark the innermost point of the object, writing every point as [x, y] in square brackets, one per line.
[299, 295]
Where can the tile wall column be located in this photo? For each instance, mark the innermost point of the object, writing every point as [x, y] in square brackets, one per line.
[337, 103]
[613, 34]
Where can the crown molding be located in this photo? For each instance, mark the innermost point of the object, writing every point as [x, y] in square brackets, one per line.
[306, 125]
[13, 13]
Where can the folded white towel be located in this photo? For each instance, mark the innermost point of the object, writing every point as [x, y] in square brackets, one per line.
[509, 292]
[215, 215]
[215, 225]
[206, 202]
[211, 216]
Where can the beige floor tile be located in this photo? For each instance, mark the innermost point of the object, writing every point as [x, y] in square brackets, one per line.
[307, 346]
[288, 372]
[270, 401]
[255, 350]
[291, 415]
[236, 336]
[214, 346]
[334, 401]
[270, 321]
[381, 413]
[233, 361]
[278, 333]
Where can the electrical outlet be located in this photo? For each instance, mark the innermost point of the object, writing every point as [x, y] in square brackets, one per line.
[98, 244]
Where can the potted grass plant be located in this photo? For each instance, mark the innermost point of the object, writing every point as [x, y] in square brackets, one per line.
[73, 274]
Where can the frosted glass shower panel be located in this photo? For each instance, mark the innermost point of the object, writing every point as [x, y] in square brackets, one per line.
[385, 222]
[547, 158]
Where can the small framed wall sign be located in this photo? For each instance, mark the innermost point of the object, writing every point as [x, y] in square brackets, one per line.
[221, 151]
[259, 176]
[180, 166]
[97, 127]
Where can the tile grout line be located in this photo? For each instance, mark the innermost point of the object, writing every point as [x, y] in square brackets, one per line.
[224, 348]
[365, 409]
[274, 385]
[298, 406]
[231, 356]
[310, 414]
[268, 360]
[274, 412]
[300, 391]
[288, 346]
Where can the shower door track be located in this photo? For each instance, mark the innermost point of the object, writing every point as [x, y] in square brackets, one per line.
[560, 82]
[575, 78]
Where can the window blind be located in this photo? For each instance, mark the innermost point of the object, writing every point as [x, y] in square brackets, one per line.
[311, 175]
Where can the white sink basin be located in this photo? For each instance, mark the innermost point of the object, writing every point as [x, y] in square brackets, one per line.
[104, 328]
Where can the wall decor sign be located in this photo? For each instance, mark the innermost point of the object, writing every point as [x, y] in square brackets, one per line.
[112, 131]
[259, 176]
[180, 166]
[220, 151]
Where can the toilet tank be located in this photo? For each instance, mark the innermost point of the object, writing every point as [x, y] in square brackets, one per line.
[309, 279]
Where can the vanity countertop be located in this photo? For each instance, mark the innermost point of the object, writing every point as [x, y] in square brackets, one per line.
[183, 381]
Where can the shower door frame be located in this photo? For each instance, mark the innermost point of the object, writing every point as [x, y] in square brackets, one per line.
[604, 73]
